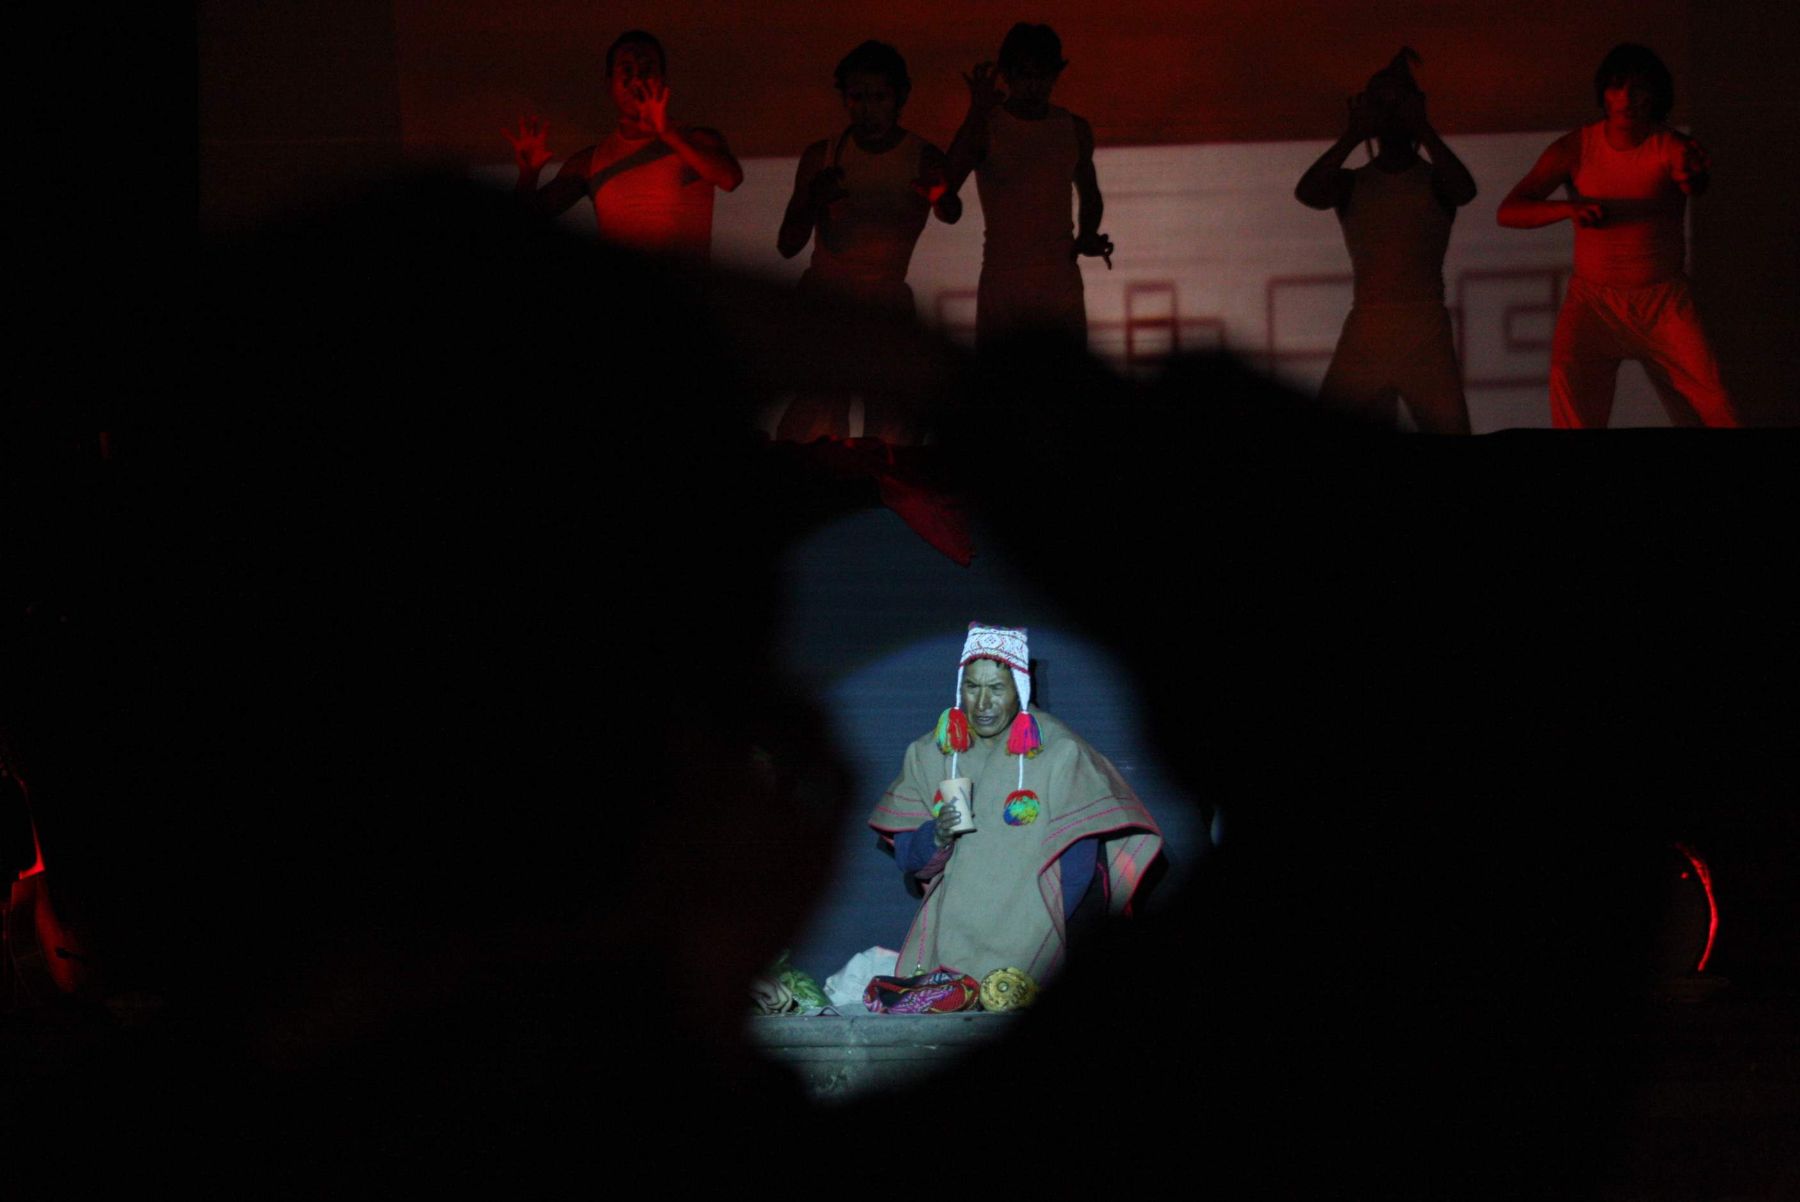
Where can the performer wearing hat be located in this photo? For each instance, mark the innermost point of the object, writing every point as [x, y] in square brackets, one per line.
[1395, 211]
[1049, 814]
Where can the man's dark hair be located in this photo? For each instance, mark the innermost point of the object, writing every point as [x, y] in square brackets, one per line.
[1033, 45]
[878, 58]
[636, 37]
[1629, 61]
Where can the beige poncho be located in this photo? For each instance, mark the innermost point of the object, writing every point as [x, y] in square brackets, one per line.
[999, 901]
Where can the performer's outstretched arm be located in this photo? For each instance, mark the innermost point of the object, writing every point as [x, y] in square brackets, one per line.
[531, 151]
[1529, 206]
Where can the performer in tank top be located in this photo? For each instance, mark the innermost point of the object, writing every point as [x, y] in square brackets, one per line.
[1026, 153]
[651, 182]
[862, 196]
[1628, 178]
[1396, 212]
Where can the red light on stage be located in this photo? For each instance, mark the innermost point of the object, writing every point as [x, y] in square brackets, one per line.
[1701, 870]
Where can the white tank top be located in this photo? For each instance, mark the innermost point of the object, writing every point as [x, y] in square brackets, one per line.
[869, 238]
[1026, 189]
[1397, 232]
[1641, 241]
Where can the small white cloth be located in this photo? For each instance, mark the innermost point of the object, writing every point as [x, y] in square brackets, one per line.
[845, 986]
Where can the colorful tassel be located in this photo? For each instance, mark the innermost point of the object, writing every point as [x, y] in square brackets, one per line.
[1021, 808]
[1024, 738]
[953, 731]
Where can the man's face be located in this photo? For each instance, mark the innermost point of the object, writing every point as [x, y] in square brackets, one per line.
[633, 63]
[1627, 100]
[870, 101]
[989, 697]
[1032, 82]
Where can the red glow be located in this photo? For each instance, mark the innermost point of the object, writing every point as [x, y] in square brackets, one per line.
[1712, 905]
[37, 847]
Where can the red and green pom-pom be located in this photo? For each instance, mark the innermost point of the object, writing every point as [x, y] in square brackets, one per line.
[1024, 738]
[1021, 808]
[953, 731]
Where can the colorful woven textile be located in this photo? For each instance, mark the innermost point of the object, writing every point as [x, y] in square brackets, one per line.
[939, 992]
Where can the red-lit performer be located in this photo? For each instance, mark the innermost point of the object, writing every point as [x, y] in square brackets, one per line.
[1050, 815]
[651, 181]
[1025, 153]
[863, 196]
[1396, 211]
[1628, 177]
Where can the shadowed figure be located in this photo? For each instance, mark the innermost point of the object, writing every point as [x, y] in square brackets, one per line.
[1396, 212]
[1628, 177]
[651, 180]
[862, 197]
[1026, 153]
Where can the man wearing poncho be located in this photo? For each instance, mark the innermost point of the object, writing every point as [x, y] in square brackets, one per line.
[1050, 814]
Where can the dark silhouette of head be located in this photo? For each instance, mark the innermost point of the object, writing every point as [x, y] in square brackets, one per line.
[1628, 62]
[877, 58]
[1033, 48]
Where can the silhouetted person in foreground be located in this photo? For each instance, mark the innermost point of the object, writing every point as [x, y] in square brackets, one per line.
[428, 746]
[651, 181]
[1396, 212]
[1026, 153]
[1627, 178]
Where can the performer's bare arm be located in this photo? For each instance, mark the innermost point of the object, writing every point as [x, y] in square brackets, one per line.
[1450, 180]
[1692, 170]
[815, 187]
[934, 185]
[531, 151]
[1326, 184]
[704, 150]
[1089, 206]
[969, 149]
[1529, 206]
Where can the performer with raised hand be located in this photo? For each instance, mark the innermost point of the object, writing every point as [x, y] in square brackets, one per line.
[1396, 211]
[1026, 154]
[651, 180]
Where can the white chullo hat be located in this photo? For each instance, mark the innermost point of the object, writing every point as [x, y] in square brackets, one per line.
[1004, 644]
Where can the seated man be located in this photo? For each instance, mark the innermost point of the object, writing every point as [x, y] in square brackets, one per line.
[651, 181]
[1048, 811]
